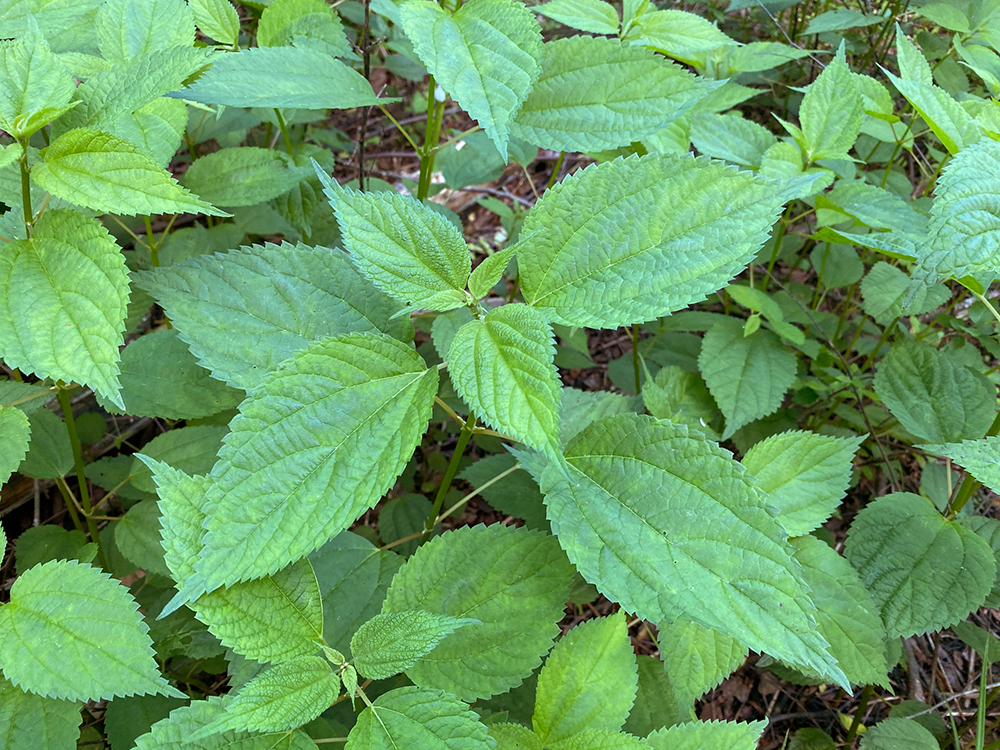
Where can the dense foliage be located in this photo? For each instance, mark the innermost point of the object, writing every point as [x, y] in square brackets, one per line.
[357, 466]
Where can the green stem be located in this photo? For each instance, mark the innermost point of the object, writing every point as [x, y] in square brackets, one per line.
[284, 130]
[866, 695]
[449, 476]
[634, 335]
[878, 345]
[154, 251]
[435, 118]
[70, 505]
[555, 170]
[81, 477]
[25, 189]
[779, 236]
[969, 485]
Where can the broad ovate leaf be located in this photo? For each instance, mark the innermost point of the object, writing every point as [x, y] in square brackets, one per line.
[35, 86]
[502, 367]
[485, 55]
[392, 642]
[217, 19]
[696, 735]
[924, 572]
[243, 176]
[644, 509]
[697, 659]
[805, 475]
[514, 581]
[72, 632]
[637, 238]
[894, 733]
[831, 112]
[64, 294]
[29, 721]
[304, 23]
[15, 431]
[127, 28]
[981, 458]
[592, 16]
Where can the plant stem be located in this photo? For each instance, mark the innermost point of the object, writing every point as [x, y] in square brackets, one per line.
[634, 335]
[555, 169]
[969, 484]
[154, 251]
[284, 130]
[435, 118]
[449, 476]
[779, 236]
[866, 696]
[70, 503]
[25, 189]
[81, 477]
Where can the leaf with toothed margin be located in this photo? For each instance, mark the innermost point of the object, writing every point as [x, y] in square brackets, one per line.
[668, 524]
[696, 735]
[697, 659]
[31, 722]
[392, 642]
[15, 431]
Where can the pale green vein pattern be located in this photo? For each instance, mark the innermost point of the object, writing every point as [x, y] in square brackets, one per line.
[592, 16]
[64, 294]
[313, 447]
[31, 722]
[392, 642]
[697, 659]
[502, 367]
[831, 112]
[511, 579]
[15, 431]
[245, 311]
[106, 173]
[127, 28]
[669, 525]
[697, 735]
[923, 571]
[595, 93]
[981, 458]
[35, 86]
[634, 239]
[70, 631]
[485, 56]
[407, 249]
[414, 717]
[304, 23]
[217, 19]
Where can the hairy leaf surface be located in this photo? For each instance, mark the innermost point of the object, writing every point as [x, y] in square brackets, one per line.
[592, 16]
[304, 23]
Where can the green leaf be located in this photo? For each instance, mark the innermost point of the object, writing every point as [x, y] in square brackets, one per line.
[696, 735]
[182, 390]
[282, 697]
[581, 408]
[108, 174]
[35, 86]
[731, 137]
[981, 458]
[305, 23]
[401, 517]
[65, 293]
[31, 722]
[157, 129]
[137, 536]
[15, 431]
[407, 249]
[884, 289]
[281, 77]
[514, 737]
[125, 719]
[811, 739]
[588, 682]
[934, 396]
[805, 476]
[127, 28]
[913, 66]
[747, 375]
[946, 118]
[39, 544]
[831, 112]
[614, 507]
[654, 705]
[697, 659]
[485, 55]
[756, 300]
[923, 571]
[678, 34]
[513, 580]
[244, 312]
[488, 273]
[988, 529]
[841, 19]
[592, 16]
[660, 232]
[275, 496]
[418, 717]
[243, 176]
[218, 19]
[392, 642]
[96, 649]
[502, 368]
[595, 93]
[516, 494]
[192, 450]
[898, 734]
[846, 614]
[50, 454]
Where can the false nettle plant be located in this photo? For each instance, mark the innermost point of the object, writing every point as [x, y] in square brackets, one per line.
[298, 401]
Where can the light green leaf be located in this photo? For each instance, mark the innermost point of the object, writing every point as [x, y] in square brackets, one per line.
[659, 233]
[160, 378]
[125, 719]
[898, 734]
[831, 112]
[31, 722]
[392, 642]
[488, 273]
[105, 173]
[934, 396]
[592, 16]
[884, 289]
[580, 408]
[514, 737]
[127, 28]
[218, 19]
[697, 659]
[756, 300]
[513, 580]
[318, 443]
[96, 649]
[678, 34]
[615, 508]
[696, 735]
[923, 571]
[595, 93]
[945, 15]
[28, 397]
[137, 536]
[192, 450]
[948, 120]
[654, 705]
[65, 292]
[731, 137]
[747, 375]
[181, 503]
[305, 23]
[502, 367]
[913, 66]
[874, 207]
[413, 717]
[282, 697]
[846, 614]
[485, 55]
[244, 312]
[988, 529]
[981, 458]
[244, 176]
[841, 19]
[407, 249]
[15, 431]
[281, 77]
[35, 86]
[588, 682]
[157, 129]
[50, 454]
[805, 476]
